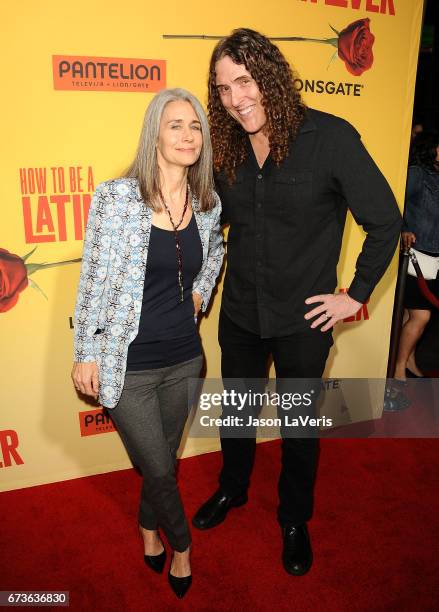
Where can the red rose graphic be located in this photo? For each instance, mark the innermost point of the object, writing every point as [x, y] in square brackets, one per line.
[355, 46]
[14, 276]
[13, 279]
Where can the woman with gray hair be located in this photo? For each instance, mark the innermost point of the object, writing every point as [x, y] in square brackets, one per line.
[152, 252]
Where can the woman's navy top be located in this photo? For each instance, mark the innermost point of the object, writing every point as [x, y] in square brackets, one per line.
[168, 333]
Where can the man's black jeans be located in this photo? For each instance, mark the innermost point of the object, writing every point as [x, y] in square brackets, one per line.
[246, 355]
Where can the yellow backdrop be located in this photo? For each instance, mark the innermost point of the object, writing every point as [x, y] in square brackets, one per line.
[77, 78]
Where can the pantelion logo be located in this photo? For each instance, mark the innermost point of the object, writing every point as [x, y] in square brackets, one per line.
[92, 422]
[108, 73]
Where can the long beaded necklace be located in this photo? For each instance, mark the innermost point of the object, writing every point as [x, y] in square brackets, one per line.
[177, 240]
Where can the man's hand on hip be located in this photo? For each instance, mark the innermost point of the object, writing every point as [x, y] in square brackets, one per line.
[332, 308]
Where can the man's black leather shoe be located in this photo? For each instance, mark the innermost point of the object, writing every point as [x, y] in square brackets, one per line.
[297, 552]
[214, 511]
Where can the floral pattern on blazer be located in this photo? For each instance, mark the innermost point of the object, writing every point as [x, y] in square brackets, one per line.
[110, 291]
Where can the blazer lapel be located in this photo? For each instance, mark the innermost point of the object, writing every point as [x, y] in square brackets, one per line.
[202, 224]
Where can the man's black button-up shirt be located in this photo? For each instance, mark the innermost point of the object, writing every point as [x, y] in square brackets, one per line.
[287, 221]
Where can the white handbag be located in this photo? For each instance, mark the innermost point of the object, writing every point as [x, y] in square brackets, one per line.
[429, 265]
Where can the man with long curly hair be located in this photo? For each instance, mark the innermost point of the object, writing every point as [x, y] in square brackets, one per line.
[286, 176]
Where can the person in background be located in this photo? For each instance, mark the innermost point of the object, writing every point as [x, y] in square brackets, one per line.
[286, 176]
[421, 231]
[153, 250]
[417, 128]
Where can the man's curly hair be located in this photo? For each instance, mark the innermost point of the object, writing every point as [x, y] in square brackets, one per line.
[282, 103]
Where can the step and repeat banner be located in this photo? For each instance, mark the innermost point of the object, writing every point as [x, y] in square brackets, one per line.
[77, 78]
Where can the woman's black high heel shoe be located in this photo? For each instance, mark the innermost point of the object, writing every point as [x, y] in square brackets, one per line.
[180, 586]
[156, 562]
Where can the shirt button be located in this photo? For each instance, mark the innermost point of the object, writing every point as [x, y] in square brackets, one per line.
[259, 263]
[258, 236]
[259, 176]
[258, 205]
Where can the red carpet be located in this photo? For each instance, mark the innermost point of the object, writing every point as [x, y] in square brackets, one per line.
[375, 535]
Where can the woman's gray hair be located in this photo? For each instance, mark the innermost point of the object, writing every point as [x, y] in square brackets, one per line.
[145, 166]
